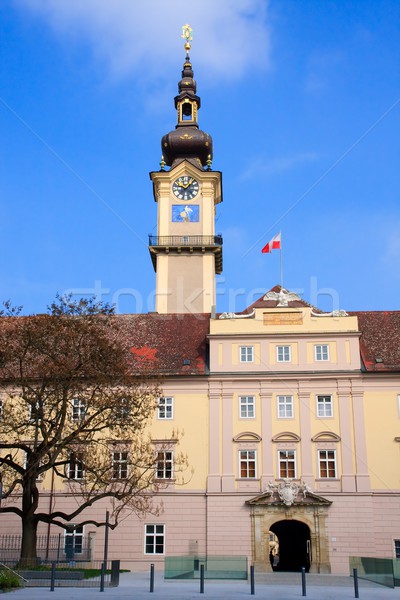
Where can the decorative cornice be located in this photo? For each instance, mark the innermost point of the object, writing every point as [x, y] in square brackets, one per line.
[326, 436]
[286, 436]
[247, 436]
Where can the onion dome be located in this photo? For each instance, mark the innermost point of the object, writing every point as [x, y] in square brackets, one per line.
[187, 141]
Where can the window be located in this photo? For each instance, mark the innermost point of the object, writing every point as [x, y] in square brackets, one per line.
[327, 464]
[166, 408]
[283, 353]
[397, 548]
[154, 539]
[247, 464]
[78, 409]
[324, 406]
[165, 465]
[36, 412]
[75, 466]
[247, 408]
[246, 353]
[73, 541]
[1, 408]
[285, 407]
[321, 352]
[119, 465]
[122, 409]
[26, 466]
[287, 463]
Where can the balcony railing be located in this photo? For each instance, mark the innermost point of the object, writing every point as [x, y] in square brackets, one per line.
[185, 240]
[185, 244]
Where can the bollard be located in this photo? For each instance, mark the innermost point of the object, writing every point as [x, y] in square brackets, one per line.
[355, 575]
[252, 590]
[152, 577]
[303, 581]
[201, 579]
[53, 576]
[102, 574]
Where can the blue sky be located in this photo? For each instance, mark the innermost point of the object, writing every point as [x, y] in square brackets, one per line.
[302, 99]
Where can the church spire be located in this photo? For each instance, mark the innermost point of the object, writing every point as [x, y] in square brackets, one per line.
[187, 141]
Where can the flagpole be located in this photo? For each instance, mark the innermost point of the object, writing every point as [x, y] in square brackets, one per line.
[281, 266]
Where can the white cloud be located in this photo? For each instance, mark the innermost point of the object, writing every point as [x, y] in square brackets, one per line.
[275, 166]
[141, 38]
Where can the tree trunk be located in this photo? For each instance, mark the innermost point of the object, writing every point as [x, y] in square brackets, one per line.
[29, 538]
[29, 521]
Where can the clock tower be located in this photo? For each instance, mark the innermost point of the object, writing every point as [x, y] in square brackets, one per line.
[186, 253]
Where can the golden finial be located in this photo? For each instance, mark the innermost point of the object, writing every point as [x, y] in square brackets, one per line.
[187, 35]
[209, 162]
[162, 163]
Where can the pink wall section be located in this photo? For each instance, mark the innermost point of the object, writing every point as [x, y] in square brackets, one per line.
[220, 524]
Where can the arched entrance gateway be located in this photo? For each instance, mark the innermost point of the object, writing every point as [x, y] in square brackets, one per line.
[289, 521]
[293, 550]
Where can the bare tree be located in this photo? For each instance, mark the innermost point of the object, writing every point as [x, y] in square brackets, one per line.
[74, 408]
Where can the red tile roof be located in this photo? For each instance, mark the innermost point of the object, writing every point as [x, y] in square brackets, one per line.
[173, 344]
[380, 339]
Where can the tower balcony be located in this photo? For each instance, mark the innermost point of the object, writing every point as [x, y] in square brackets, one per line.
[186, 244]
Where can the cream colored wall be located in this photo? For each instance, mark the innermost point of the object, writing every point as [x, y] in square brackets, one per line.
[191, 283]
[309, 324]
[382, 423]
[224, 353]
[269, 328]
[191, 421]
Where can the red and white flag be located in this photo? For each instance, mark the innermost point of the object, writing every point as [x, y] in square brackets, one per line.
[274, 244]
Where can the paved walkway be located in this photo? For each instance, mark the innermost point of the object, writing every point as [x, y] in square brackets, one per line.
[269, 587]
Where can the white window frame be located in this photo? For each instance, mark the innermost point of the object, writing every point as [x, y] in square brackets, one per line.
[247, 407]
[285, 460]
[78, 409]
[25, 466]
[321, 352]
[75, 466]
[398, 404]
[119, 465]
[35, 409]
[327, 461]
[248, 459]
[284, 353]
[154, 536]
[246, 354]
[122, 409]
[165, 409]
[77, 533]
[1, 408]
[285, 402]
[324, 405]
[165, 464]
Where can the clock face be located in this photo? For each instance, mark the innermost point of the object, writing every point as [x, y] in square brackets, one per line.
[185, 188]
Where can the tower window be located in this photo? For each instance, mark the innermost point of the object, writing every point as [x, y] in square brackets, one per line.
[187, 111]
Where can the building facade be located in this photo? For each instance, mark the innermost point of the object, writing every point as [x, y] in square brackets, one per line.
[289, 417]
